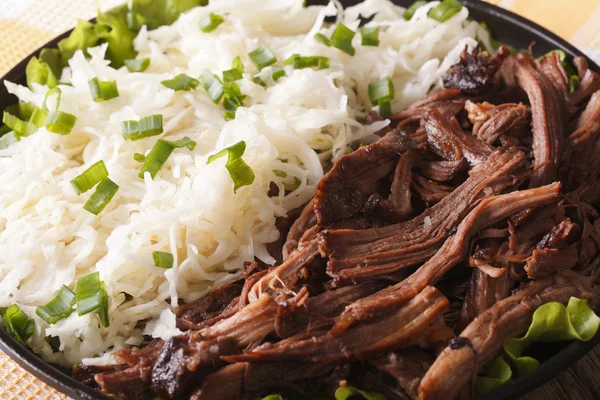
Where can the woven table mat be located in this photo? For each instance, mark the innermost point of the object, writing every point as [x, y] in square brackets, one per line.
[25, 25]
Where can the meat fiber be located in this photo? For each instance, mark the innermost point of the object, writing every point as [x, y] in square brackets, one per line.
[446, 139]
[491, 122]
[548, 110]
[364, 254]
[487, 213]
[370, 339]
[400, 194]
[507, 319]
[448, 102]
[345, 189]
[589, 84]
[184, 361]
[407, 242]
[588, 125]
[442, 171]
[407, 366]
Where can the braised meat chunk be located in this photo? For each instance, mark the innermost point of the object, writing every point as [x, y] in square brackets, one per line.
[417, 257]
[474, 74]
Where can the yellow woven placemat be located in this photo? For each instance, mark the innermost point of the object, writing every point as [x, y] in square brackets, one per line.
[25, 25]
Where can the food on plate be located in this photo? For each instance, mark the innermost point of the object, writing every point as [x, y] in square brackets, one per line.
[259, 199]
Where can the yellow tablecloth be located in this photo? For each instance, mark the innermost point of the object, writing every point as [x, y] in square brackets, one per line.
[25, 25]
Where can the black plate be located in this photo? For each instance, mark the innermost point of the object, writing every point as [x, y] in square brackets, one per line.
[506, 27]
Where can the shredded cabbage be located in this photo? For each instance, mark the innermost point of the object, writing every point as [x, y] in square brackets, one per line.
[293, 125]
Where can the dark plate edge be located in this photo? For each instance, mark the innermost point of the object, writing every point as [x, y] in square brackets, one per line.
[517, 387]
[45, 372]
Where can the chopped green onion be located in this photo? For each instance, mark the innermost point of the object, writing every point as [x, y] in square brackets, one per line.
[145, 127]
[573, 83]
[239, 171]
[160, 153]
[370, 36]
[137, 65]
[381, 93]
[24, 119]
[90, 177]
[445, 10]
[290, 187]
[277, 72]
[385, 107]
[162, 259]
[52, 99]
[60, 122]
[259, 80]
[104, 193]
[54, 120]
[17, 324]
[20, 127]
[233, 99]
[211, 23]
[262, 57]
[342, 39]
[91, 296]
[38, 117]
[280, 173]
[299, 62]
[383, 88]
[213, 86]
[139, 157]
[184, 142]
[102, 91]
[24, 110]
[235, 73]
[319, 37]
[231, 104]
[58, 308]
[181, 82]
[410, 11]
[156, 158]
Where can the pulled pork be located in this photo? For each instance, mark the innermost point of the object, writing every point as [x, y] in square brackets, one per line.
[417, 257]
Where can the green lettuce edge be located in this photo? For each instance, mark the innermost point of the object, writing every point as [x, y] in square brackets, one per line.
[551, 322]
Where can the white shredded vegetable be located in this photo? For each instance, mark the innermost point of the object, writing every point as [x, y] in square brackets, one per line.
[305, 120]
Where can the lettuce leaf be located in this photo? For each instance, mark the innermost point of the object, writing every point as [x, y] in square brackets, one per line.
[342, 393]
[497, 373]
[112, 27]
[552, 322]
[156, 13]
[43, 70]
[346, 392]
[83, 36]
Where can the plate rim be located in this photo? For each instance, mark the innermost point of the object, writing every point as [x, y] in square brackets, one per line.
[567, 357]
